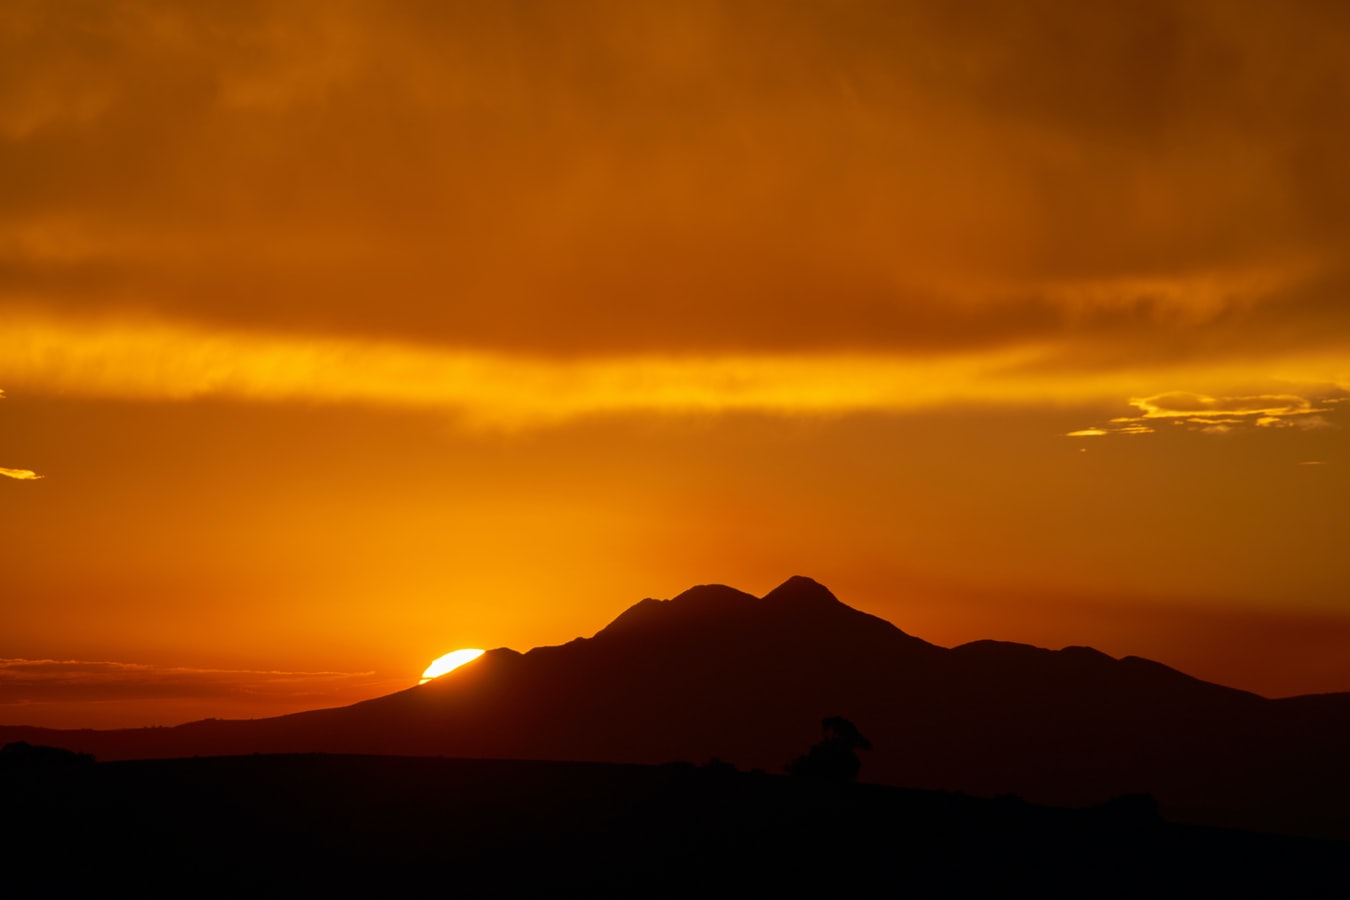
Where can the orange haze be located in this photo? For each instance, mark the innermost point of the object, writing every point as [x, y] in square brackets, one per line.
[335, 336]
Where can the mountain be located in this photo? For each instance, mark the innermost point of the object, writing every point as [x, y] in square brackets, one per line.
[716, 672]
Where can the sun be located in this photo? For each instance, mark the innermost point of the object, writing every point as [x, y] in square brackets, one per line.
[448, 662]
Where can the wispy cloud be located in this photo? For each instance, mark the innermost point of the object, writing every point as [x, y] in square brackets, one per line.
[27, 681]
[1199, 408]
[18, 474]
[1226, 414]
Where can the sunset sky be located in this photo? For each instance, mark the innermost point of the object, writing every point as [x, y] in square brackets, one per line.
[335, 336]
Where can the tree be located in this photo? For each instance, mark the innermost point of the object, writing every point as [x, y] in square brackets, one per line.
[835, 757]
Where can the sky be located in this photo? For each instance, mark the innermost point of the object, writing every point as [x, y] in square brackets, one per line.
[335, 336]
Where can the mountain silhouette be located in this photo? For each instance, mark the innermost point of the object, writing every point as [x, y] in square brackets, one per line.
[716, 672]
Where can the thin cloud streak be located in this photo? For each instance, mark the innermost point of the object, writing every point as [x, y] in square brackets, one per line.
[29, 681]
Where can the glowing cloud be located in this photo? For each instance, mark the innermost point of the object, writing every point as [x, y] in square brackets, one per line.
[1179, 404]
[1224, 415]
[19, 474]
[156, 360]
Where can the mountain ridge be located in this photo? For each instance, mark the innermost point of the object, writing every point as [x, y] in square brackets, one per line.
[717, 672]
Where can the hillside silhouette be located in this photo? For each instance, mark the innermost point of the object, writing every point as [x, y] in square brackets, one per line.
[716, 672]
[325, 826]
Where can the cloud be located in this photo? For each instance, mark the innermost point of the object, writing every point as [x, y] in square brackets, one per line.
[1198, 407]
[647, 177]
[542, 212]
[28, 681]
[162, 361]
[1224, 415]
[18, 474]
[1304, 422]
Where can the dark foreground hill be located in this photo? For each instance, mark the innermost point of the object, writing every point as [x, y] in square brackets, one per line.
[314, 825]
[717, 672]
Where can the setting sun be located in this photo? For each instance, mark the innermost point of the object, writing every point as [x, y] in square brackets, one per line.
[448, 663]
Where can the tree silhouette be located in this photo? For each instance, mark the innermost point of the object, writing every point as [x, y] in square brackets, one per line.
[835, 757]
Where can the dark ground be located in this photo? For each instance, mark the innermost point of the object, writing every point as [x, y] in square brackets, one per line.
[325, 825]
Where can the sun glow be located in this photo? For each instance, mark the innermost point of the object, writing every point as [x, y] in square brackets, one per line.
[448, 663]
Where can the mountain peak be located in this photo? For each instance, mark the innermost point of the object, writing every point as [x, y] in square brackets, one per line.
[798, 590]
[698, 606]
[800, 606]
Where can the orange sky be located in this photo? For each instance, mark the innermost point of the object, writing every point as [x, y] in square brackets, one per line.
[335, 336]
